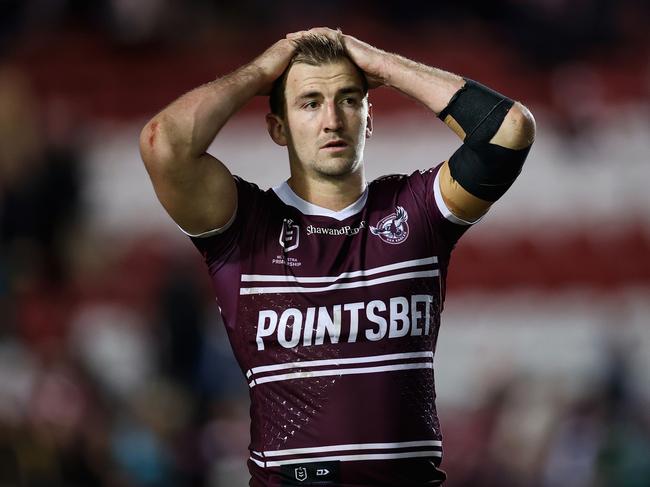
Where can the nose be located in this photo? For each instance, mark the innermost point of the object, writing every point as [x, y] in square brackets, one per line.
[332, 118]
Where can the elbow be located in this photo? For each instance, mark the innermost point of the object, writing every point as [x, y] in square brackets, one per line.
[162, 144]
[517, 131]
[523, 126]
[150, 140]
[148, 136]
[155, 150]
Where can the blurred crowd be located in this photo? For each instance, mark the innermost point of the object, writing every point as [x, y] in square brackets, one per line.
[526, 432]
[111, 372]
[115, 369]
[576, 26]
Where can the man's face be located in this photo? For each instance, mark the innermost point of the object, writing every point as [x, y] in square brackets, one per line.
[326, 119]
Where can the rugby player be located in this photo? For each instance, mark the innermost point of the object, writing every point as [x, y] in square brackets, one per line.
[331, 287]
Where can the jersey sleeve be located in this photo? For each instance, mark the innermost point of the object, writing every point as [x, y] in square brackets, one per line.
[446, 226]
[218, 245]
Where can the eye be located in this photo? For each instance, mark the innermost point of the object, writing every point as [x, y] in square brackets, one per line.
[310, 105]
[350, 101]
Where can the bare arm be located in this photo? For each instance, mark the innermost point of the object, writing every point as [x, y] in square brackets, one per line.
[196, 189]
[434, 88]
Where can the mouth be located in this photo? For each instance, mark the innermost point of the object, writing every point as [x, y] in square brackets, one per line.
[335, 145]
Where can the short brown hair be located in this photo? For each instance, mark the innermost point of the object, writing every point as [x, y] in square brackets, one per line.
[312, 49]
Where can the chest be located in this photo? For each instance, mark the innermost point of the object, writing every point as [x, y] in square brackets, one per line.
[314, 282]
[299, 246]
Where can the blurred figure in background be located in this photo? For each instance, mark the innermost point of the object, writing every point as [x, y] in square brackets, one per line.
[47, 401]
[40, 193]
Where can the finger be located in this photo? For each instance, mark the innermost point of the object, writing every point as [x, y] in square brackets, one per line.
[296, 35]
[322, 29]
[326, 31]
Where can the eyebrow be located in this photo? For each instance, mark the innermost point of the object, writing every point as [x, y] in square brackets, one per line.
[309, 94]
[343, 91]
[350, 90]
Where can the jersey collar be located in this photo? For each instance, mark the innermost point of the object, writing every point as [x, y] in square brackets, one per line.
[289, 198]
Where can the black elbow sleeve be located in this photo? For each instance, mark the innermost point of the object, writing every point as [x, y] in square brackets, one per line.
[487, 173]
[483, 169]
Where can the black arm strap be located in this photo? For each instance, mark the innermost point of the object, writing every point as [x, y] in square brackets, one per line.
[483, 169]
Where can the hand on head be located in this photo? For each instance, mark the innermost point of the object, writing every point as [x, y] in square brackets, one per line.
[272, 63]
[369, 59]
[324, 31]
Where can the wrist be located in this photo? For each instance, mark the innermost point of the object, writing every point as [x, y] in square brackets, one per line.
[255, 72]
[256, 76]
[270, 65]
[389, 66]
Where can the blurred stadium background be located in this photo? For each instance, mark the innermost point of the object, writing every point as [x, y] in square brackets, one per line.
[114, 367]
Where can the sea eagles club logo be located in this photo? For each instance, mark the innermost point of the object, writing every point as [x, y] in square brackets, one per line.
[393, 229]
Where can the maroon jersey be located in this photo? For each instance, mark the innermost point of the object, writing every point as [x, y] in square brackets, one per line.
[333, 318]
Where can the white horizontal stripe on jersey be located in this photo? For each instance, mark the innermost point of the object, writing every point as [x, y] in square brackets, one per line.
[352, 458]
[352, 446]
[344, 275]
[330, 372]
[339, 361]
[338, 286]
[261, 464]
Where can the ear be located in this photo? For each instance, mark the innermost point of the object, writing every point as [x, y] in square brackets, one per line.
[369, 121]
[276, 128]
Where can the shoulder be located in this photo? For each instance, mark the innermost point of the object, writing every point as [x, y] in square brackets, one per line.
[250, 195]
[387, 179]
[421, 179]
[244, 185]
[387, 183]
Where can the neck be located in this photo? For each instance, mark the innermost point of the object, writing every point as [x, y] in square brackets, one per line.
[332, 193]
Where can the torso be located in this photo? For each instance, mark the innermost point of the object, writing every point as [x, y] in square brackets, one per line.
[334, 318]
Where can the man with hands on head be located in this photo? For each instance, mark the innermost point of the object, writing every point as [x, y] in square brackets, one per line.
[330, 287]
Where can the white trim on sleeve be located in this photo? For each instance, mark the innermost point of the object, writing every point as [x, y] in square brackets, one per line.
[211, 233]
[444, 209]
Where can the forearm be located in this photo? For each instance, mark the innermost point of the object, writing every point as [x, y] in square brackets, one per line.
[430, 86]
[186, 128]
[434, 88]
[188, 125]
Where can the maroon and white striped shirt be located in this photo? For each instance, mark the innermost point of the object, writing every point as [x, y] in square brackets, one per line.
[333, 317]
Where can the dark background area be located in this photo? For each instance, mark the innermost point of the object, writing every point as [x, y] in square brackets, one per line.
[115, 369]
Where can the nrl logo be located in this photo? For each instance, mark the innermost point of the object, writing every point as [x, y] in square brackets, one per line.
[392, 229]
[289, 235]
[301, 473]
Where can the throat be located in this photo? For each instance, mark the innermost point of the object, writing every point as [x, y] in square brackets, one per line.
[333, 196]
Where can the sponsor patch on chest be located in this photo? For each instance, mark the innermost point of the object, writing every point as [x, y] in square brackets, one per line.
[345, 230]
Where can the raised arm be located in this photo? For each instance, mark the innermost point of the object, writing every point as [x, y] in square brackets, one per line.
[497, 132]
[196, 189]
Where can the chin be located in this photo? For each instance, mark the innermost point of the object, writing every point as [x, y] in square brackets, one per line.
[337, 167]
